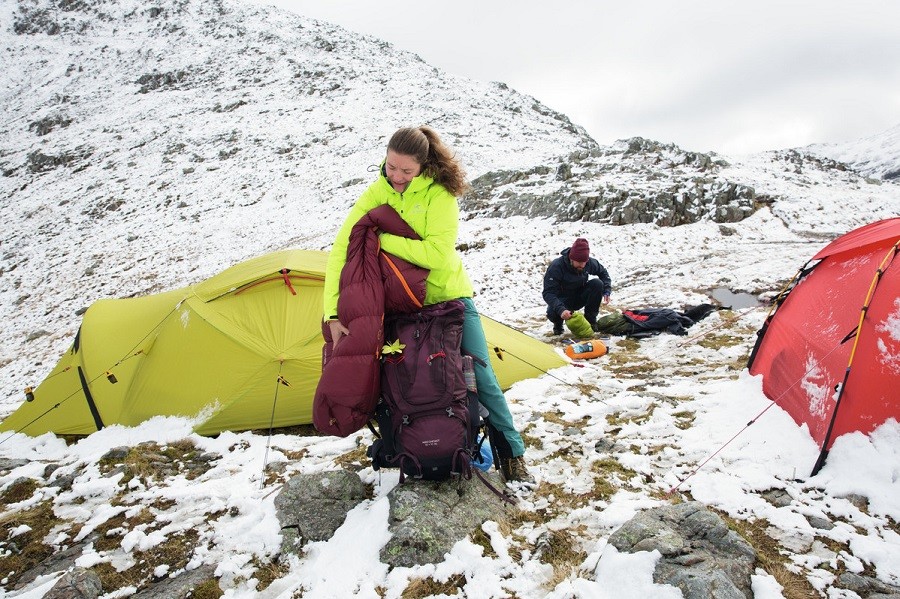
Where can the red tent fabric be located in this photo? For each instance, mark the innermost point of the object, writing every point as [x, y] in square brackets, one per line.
[830, 352]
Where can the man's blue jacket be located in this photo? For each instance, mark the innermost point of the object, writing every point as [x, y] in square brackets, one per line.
[562, 281]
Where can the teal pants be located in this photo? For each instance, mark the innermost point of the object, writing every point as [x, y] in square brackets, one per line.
[489, 393]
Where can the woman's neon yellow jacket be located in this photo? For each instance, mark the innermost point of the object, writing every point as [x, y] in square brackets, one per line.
[432, 212]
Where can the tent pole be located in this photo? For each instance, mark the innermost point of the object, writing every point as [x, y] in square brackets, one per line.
[888, 259]
[279, 381]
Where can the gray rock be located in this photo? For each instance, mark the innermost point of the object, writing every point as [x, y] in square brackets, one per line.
[60, 561]
[605, 445]
[310, 507]
[10, 464]
[78, 583]
[871, 588]
[820, 523]
[778, 497]
[116, 453]
[700, 554]
[63, 482]
[428, 518]
[182, 585]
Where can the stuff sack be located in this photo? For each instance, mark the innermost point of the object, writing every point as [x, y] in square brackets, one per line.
[427, 417]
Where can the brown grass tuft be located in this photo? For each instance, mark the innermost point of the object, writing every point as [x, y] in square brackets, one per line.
[419, 588]
[27, 550]
[557, 549]
[770, 558]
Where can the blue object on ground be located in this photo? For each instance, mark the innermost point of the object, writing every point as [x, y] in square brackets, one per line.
[487, 457]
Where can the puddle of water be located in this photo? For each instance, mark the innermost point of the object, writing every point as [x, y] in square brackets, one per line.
[738, 300]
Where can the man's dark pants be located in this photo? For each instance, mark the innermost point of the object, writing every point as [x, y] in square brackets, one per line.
[589, 298]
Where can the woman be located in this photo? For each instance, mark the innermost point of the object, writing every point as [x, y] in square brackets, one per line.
[420, 178]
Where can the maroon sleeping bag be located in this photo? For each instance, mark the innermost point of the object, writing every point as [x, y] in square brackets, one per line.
[371, 283]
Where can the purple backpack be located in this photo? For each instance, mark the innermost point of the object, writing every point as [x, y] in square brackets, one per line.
[427, 418]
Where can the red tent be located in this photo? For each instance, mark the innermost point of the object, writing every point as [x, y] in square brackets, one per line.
[829, 352]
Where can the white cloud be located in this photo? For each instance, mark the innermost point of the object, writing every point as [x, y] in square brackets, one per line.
[728, 77]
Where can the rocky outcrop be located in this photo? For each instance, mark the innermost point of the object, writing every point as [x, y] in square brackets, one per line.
[78, 583]
[426, 518]
[700, 554]
[311, 507]
[633, 181]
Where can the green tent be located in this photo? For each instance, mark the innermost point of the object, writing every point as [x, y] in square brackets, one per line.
[241, 350]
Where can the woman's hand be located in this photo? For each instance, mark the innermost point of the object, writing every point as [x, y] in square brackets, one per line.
[337, 331]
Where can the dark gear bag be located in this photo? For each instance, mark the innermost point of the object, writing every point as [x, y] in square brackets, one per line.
[427, 418]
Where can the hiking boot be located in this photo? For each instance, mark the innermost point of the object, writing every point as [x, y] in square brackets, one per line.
[557, 329]
[514, 470]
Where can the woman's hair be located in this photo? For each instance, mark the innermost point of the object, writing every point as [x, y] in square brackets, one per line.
[437, 160]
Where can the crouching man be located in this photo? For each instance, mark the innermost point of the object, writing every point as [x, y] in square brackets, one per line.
[574, 281]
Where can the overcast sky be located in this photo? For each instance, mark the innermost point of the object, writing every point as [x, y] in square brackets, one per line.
[727, 76]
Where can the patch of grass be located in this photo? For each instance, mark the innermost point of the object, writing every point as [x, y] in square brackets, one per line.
[23, 552]
[419, 588]
[619, 419]
[175, 552]
[836, 547]
[71, 439]
[566, 453]
[634, 369]
[530, 440]
[268, 572]
[684, 419]
[627, 362]
[627, 344]
[479, 537]
[603, 489]
[354, 460]
[608, 476]
[655, 449]
[893, 525]
[770, 558]
[555, 417]
[293, 455]
[721, 340]
[19, 490]
[740, 363]
[517, 517]
[586, 388]
[208, 589]
[557, 549]
[150, 461]
[110, 532]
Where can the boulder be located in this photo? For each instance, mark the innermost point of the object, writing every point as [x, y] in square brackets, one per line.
[700, 554]
[78, 583]
[428, 518]
[310, 507]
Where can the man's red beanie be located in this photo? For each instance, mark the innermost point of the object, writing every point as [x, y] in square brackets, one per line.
[580, 251]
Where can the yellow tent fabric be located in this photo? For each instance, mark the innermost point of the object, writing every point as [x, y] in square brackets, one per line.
[241, 350]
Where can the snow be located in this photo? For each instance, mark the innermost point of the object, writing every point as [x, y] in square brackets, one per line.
[686, 419]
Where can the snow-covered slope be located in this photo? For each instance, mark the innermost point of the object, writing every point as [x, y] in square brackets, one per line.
[232, 129]
[875, 156]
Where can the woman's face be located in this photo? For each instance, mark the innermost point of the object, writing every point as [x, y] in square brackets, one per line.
[401, 169]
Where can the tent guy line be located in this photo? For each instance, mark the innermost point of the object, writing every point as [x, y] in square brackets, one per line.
[746, 426]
